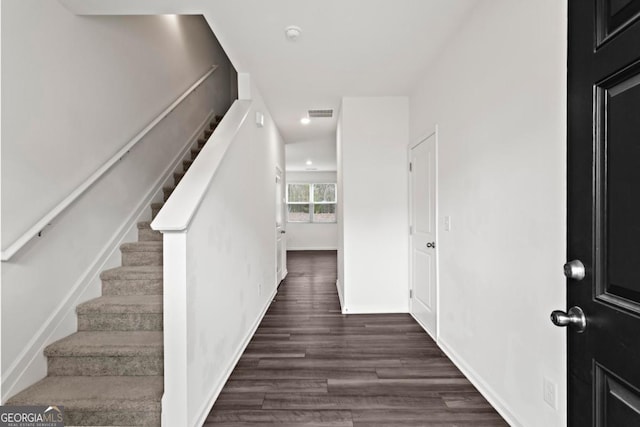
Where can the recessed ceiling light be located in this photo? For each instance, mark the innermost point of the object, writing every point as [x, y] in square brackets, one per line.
[309, 162]
[305, 120]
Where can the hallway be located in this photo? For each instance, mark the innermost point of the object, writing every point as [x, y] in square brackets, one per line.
[309, 365]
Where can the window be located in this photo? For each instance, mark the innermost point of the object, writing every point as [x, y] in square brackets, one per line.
[311, 203]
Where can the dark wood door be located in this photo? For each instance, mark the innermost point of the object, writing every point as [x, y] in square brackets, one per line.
[604, 211]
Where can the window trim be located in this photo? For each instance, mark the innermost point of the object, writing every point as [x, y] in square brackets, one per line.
[311, 203]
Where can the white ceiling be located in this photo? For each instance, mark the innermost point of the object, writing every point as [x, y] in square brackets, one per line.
[347, 47]
[320, 152]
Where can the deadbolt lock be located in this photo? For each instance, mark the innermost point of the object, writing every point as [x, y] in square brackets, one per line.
[574, 270]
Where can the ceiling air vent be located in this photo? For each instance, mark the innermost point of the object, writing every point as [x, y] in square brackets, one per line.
[320, 113]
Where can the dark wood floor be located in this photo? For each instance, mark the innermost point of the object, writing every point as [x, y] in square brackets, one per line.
[309, 365]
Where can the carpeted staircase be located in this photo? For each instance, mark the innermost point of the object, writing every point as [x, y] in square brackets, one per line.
[110, 372]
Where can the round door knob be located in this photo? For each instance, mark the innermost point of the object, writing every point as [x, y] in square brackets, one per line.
[574, 317]
[431, 245]
[574, 270]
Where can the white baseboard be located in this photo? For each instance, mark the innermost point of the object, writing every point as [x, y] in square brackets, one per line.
[340, 297]
[57, 326]
[422, 325]
[217, 388]
[485, 390]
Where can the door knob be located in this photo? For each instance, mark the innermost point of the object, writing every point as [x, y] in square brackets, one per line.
[282, 231]
[431, 245]
[574, 270]
[575, 317]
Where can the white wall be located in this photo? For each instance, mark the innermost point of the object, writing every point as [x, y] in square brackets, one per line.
[497, 93]
[241, 265]
[311, 236]
[76, 89]
[373, 185]
[221, 279]
[81, 87]
[340, 212]
[1, 388]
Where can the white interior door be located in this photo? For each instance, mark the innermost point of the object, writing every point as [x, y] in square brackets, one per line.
[422, 183]
[281, 241]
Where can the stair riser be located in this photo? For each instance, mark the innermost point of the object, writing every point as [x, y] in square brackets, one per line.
[201, 143]
[132, 287]
[149, 235]
[194, 154]
[177, 176]
[111, 418]
[135, 258]
[186, 164]
[120, 322]
[154, 212]
[167, 192]
[97, 366]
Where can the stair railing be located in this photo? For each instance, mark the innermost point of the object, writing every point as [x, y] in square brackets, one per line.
[46, 220]
[181, 221]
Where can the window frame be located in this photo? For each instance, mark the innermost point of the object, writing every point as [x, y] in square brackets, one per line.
[311, 203]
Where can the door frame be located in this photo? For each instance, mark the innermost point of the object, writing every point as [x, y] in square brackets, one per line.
[280, 175]
[412, 145]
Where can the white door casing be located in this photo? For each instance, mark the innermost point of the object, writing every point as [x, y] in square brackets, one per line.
[281, 241]
[423, 230]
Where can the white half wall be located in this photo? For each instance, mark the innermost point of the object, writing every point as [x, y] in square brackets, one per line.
[372, 160]
[220, 271]
[311, 236]
[498, 95]
[76, 90]
[233, 260]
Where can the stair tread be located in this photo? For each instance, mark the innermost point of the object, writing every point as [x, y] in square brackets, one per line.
[140, 272]
[144, 225]
[116, 393]
[157, 205]
[108, 343]
[150, 246]
[122, 304]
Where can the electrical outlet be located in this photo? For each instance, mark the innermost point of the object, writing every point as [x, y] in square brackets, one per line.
[549, 392]
[447, 223]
